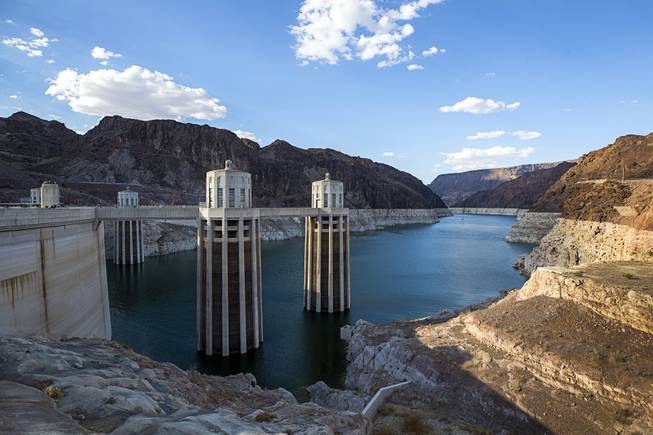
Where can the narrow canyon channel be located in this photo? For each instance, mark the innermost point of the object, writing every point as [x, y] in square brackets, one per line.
[396, 274]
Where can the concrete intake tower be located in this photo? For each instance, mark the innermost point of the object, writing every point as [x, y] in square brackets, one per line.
[128, 246]
[326, 250]
[229, 310]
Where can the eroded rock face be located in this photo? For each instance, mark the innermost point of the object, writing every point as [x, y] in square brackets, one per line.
[574, 242]
[100, 386]
[531, 227]
[622, 291]
[541, 360]
[342, 400]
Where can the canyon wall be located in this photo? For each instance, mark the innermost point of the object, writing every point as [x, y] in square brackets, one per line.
[53, 282]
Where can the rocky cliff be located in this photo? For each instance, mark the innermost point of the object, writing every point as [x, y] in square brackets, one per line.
[166, 161]
[601, 221]
[531, 227]
[522, 192]
[629, 157]
[95, 386]
[454, 188]
[570, 352]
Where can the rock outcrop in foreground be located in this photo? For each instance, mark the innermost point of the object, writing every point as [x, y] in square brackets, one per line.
[571, 352]
[82, 385]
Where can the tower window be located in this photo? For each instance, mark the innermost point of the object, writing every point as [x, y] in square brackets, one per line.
[232, 197]
[220, 198]
[242, 197]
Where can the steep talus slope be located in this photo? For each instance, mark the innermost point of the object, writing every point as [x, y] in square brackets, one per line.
[629, 157]
[522, 192]
[166, 162]
[454, 188]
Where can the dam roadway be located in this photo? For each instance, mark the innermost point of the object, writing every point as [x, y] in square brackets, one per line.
[12, 219]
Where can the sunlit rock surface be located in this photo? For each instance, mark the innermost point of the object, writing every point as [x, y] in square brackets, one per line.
[80, 385]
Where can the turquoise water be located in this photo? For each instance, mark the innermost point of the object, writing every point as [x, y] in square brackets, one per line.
[396, 274]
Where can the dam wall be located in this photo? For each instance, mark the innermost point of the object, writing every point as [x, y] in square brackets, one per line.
[53, 281]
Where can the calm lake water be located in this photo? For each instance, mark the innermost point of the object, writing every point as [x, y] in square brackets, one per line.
[396, 274]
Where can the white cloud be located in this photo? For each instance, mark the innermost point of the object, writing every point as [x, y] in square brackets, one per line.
[103, 54]
[487, 135]
[479, 106]
[104, 63]
[526, 135]
[55, 117]
[23, 46]
[247, 135]
[433, 51]
[135, 92]
[393, 154]
[49, 61]
[333, 30]
[523, 135]
[36, 32]
[479, 158]
[414, 67]
[9, 21]
[33, 47]
[14, 97]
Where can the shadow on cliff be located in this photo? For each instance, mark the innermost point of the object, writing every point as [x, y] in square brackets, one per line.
[445, 388]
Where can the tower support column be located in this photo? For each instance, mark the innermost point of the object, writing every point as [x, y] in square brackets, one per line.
[128, 245]
[230, 301]
[326, 248]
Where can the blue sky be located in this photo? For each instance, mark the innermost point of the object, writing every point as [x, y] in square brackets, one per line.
[580, 71]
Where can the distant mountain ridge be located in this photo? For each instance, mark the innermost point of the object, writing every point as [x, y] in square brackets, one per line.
[166, 162]
[522, 192]
[456, 187]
